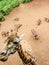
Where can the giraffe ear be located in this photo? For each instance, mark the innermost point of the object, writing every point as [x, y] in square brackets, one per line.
[19, 38]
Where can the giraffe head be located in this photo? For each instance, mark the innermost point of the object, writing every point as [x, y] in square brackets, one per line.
[17, 40]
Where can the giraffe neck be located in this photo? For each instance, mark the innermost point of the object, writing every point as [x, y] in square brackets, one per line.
[21, 54]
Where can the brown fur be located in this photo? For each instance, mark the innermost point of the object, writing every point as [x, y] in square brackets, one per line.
[26, 57]
[13, 34]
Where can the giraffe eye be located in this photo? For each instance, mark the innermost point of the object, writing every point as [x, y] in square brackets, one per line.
[15, 42]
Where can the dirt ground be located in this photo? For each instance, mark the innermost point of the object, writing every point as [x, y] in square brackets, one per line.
[28, 15]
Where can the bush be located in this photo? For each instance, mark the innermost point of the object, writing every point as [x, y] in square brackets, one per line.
[1, 17]
[6, 6]
[25, 1]
[9, 6]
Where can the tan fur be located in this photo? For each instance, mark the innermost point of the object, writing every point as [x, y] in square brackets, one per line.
[13, 34]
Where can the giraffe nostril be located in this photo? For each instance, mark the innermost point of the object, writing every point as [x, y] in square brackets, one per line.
[3, 59]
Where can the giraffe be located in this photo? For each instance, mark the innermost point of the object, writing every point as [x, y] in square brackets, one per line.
[16, 46]
[10, 46]
[24, 55]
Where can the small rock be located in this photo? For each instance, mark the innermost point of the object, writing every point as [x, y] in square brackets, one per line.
[38, 22]
[16, 19]
[35, 35]
[5, 33]
[47, 20]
